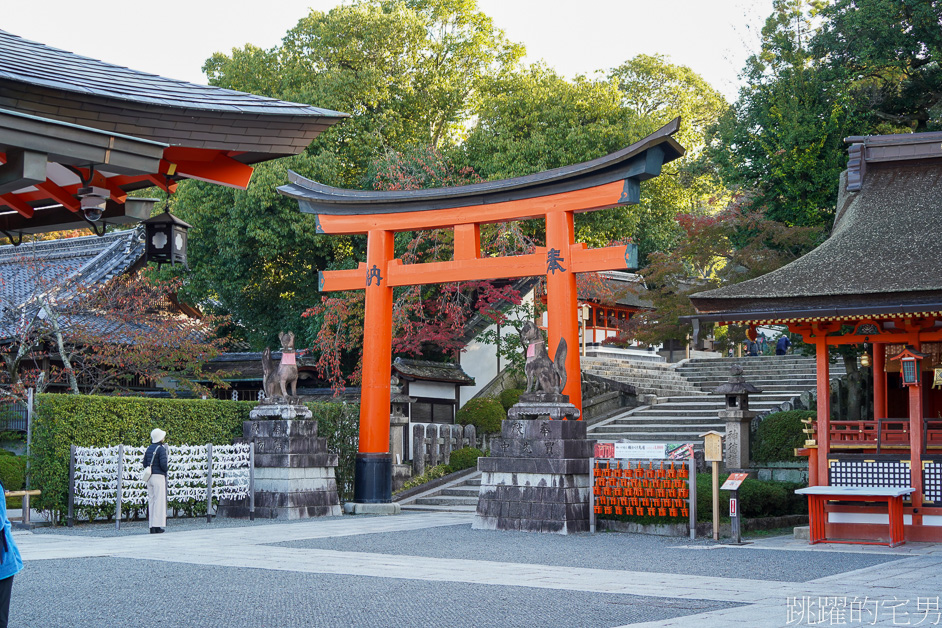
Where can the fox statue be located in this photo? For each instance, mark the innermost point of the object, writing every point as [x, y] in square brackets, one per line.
[542, 373]
[277, 378]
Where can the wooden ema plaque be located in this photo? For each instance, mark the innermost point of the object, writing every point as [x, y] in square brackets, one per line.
[642, 490]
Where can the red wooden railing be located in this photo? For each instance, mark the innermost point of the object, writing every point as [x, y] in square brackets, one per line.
[880, 433]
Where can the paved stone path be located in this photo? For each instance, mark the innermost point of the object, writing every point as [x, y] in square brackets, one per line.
[872, 595]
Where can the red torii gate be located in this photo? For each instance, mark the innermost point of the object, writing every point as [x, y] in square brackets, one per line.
[554, 195]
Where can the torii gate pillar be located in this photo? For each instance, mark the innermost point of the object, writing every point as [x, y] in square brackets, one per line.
[373, 472]
[562, 301]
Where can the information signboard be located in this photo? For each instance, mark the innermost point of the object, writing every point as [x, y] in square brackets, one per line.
[734, 481]
[644, 451]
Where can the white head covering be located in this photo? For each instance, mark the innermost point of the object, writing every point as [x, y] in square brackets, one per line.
[157, 435]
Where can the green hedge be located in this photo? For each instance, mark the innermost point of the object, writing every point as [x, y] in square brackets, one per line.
[509, 397]
[779, 434]
[464, 458]
[92, 421]
[340, 424]
[484, 414]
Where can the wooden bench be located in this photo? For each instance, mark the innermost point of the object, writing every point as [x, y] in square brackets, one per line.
[24, 518]
[818, 496]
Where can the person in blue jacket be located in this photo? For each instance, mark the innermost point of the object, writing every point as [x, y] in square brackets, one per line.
[10, 563]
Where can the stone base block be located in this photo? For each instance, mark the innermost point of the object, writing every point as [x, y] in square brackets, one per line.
[285, 514]
[353, 508]
[533, 502]
[536, 479]
[282, 411]
[294, 472]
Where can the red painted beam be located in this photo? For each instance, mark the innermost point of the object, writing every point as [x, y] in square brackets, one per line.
[15, 203]
[222, 170]
[59, 195]
[589, 199]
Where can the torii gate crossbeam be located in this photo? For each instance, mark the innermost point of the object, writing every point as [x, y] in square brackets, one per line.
[555, 196]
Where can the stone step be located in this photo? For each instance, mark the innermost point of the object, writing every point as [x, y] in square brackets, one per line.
[462, 491]
[758, 381]
[673, 436]
[446, 500]
[428, 508]
[664, 424]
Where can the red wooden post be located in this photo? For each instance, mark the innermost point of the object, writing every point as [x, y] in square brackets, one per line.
[562, 299]
[824, 410]
[373, 473]
[879, 381]
[915, 445]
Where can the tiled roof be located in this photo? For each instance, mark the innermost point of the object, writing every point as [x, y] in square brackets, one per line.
[31, 62]
[84, 261]
[432, 371]
[880, 253]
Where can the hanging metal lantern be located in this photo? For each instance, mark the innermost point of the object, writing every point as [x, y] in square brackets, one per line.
[165, 239]
[910, 365]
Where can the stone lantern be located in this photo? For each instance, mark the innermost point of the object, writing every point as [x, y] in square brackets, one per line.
[738, 417]
[398, 420]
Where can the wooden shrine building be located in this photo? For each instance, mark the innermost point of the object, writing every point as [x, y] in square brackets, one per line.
[554, 196]
[873, 284]
[77, 134]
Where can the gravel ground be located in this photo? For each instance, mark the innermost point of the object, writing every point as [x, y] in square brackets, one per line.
[631, 552]
[124, 592]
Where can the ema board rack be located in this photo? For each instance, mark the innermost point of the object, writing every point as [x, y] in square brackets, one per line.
[645, 480]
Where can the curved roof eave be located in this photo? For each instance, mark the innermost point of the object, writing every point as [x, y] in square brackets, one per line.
[34, 63]
[640, 161]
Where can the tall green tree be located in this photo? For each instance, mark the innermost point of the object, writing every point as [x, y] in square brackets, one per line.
[535, 120]
[408, 71]
[782, 142]
[889, 53]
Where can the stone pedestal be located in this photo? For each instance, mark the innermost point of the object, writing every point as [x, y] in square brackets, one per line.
[397, 428]
[536, 478]
[294, 473]
[736, 440]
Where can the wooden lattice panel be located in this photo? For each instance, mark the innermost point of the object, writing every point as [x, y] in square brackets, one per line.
[932, 481]
[890, 473]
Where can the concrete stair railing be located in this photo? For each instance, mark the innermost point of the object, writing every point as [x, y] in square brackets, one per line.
[682, 416]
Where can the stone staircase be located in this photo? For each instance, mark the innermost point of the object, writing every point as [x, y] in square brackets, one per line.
[458, 496]
[682, 417]
[650, 379]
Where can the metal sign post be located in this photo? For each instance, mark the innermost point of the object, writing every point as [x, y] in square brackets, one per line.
[119, 485]
[732, 485]
[70, 517]
[209, 483]
[29, 432]
[252, 481]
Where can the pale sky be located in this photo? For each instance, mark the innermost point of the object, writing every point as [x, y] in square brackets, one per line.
[174, 37]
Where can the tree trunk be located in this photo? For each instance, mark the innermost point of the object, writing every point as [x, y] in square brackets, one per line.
[66, 364]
